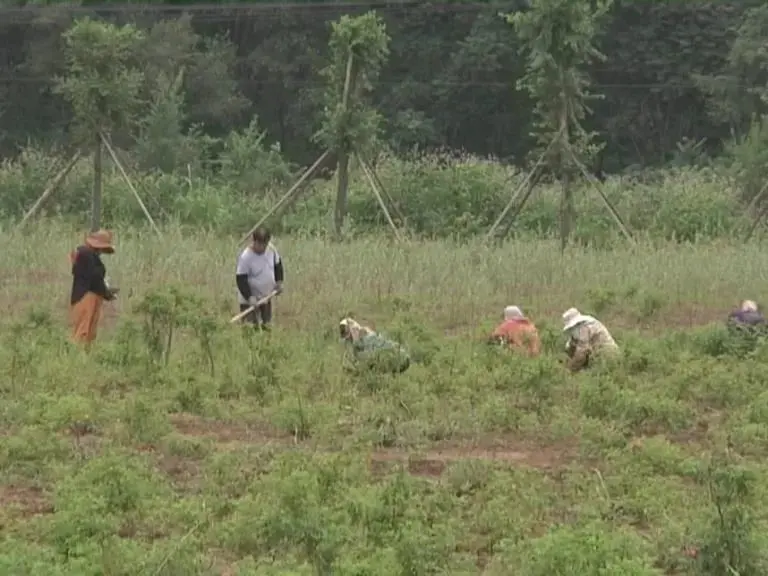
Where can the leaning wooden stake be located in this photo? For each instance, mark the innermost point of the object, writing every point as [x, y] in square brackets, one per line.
[520, 188]
[128, 182]
[97, 188]
[342, 166]
[386, 195]
[760, 215]
[756, 200]
[52, 187]
[756, 222]
[596, 185]
[380, 200]
[523, 201]
[289, 196]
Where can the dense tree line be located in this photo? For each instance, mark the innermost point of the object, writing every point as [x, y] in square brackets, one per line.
[676, 80]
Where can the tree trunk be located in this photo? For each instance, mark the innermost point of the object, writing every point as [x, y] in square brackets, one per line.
[567, 210]
[342, 170]
[96, 196]
[342, 185]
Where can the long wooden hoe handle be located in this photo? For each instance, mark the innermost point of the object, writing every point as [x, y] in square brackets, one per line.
[247, 311]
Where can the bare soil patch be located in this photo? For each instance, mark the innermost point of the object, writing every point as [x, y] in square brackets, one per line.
[183, 471]
[430, 462]
[224, 432]
[514, 452]
[30, 501]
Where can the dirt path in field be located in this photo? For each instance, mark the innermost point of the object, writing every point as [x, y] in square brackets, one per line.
[434, 461]
[23, 500]
[27, 501]
[429, 462]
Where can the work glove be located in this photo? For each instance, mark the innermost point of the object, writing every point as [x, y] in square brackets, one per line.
[279, 288]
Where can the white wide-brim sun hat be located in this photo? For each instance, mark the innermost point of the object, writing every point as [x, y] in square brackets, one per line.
[512, 312]
[572, 318]
[354, 328]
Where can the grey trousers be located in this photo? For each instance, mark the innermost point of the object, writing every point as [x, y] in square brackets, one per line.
[261, 316]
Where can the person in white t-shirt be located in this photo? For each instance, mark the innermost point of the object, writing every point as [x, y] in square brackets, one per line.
[259, 272]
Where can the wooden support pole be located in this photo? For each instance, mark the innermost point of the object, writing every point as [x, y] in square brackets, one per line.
[128, 182]
[567, 207]
[596, 185]
[52, 187]
[532, 183]
[291, 195]
[756, 222]
[342, 169]
[147, 194]
[756, 200]
[760, 215]
[525, 182]
[96, 194]
[387, 196]
[380, 200]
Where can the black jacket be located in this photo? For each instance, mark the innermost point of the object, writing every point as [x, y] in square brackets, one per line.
[88, 273]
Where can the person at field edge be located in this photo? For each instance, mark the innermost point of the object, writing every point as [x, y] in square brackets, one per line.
[517, 332]
[372, 350]
[747, 316]
[587, 338]
[259, 274]
[89, 285]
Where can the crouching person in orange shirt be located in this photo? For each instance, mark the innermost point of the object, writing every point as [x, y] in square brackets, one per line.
[517, 332]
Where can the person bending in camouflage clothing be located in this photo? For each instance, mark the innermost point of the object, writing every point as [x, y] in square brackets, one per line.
[587, 338]
[373, 351]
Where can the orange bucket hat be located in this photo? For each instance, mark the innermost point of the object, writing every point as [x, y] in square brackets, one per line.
[100, 240]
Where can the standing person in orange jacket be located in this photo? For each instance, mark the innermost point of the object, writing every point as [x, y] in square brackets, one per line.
[518, 332]
[89, 286]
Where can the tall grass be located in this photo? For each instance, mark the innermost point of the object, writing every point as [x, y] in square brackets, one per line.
[438, 197]
[447, 284]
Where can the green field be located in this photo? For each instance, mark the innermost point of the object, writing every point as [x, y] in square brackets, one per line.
[238, 453]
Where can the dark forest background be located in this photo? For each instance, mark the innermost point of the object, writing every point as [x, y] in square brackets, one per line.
[231, 98]
[449, 82]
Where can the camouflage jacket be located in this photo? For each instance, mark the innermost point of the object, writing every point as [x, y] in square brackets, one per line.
[373, 348]
[746, 318]
[589, 339]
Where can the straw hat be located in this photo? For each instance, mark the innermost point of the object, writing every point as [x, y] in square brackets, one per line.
[512, 312]
[100, 240]
[572, 318]
[352, 329]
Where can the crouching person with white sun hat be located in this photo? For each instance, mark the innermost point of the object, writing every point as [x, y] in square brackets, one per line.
[373, 351]
[587, 339]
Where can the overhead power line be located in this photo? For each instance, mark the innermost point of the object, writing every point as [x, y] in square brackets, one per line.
[31, 11]
[436, 82]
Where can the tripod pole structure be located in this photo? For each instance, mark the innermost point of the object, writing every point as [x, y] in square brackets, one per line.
[364, 161]
[760, 215]
[289, 196]
[756, 200]
[511, 202]
[52, 187]
[380, 200]
[756, 222]
[526, 196]
[596, 185]
[97, 188]
[128, 182]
